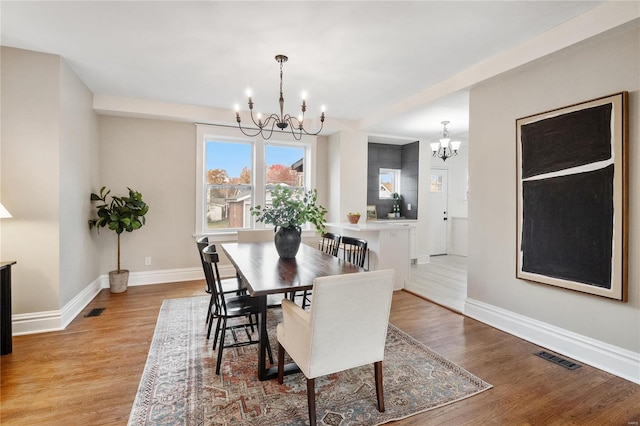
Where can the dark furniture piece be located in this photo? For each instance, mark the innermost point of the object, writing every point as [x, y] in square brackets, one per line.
[330, 243]
[6, 342]
[265, 273]
[223, 308]
[229, 285]
[354, 250]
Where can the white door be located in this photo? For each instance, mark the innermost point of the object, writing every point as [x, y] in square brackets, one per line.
[438, 214]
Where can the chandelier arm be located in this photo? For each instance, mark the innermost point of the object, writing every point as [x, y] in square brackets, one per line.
[293, 133]
[294, 122]
[257, 124]
[316, 133]
[273, 119]
[249, 134]
[273, 123]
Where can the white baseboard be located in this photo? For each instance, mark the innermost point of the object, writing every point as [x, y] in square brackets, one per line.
[45, 321]
[159, 276]
[40, 322]
[612, 359]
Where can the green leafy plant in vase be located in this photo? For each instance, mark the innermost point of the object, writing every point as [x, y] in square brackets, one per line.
[119, 215]
[289, 210]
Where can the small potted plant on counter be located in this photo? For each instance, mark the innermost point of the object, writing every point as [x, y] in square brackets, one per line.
[353, 217]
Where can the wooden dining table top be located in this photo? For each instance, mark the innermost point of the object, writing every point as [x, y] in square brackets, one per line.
[264, 272]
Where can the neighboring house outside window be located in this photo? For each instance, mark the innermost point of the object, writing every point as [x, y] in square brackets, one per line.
[235, 174]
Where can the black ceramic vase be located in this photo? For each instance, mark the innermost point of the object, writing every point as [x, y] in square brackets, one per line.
[287, 241]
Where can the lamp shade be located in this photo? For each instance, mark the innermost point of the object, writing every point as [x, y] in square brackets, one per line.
[4, 213]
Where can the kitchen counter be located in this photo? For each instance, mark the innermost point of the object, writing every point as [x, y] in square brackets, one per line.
[373, 225]
[388, 244]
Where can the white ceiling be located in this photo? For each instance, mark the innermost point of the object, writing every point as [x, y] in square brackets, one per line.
[386, 67]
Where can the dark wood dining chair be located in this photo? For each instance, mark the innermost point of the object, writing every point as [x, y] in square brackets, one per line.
[354, 250]
[225, 307]
[329, 244]
[229, 285]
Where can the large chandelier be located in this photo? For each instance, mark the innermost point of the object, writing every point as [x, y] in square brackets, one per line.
[445, 148]
[282, 121]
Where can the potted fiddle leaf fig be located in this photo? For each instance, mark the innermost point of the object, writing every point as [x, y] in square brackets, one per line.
[121, 214]
[289, 210]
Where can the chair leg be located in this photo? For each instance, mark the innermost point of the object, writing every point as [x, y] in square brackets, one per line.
[269, 352]
[217, 333]
[280, 363]
[311, 401]
[209, 314]
[379, 388]
[210, 325]
[209, 328]
[221, 347]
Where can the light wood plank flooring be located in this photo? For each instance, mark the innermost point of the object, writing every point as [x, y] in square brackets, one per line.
[88, 374]
[443, 281]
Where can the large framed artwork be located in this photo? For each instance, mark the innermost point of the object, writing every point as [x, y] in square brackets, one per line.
[573, 173]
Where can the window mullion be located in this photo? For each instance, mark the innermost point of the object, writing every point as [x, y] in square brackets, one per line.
[259, 177]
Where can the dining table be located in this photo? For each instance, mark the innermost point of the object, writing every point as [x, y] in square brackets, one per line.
[265, 273]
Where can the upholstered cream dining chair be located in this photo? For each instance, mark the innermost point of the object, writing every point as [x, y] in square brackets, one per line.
[337, 334]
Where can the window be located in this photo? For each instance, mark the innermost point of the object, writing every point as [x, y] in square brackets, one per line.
[436, 183]
[228, 189]
[236, 174]
[284, 166]
[389, 183]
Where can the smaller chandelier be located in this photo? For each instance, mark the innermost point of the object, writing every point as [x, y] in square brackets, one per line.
[445, 148]
[282, 121]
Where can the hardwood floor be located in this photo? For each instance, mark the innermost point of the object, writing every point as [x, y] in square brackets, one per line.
[88, 374]
[443, 281]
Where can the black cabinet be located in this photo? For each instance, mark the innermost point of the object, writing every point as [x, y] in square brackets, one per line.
[6, 345]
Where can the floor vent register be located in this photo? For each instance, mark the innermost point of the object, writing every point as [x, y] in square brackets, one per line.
[557, 360]
[94, 312]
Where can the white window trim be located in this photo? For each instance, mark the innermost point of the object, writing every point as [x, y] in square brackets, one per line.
[396, 181]
[206, 132]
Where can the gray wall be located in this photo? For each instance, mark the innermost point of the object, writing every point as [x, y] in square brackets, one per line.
[49, 164]
[157, 158]
[591, 69]
[403, 157]
[409, 179]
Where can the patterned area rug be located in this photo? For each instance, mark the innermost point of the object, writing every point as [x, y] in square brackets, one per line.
[179, 385]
